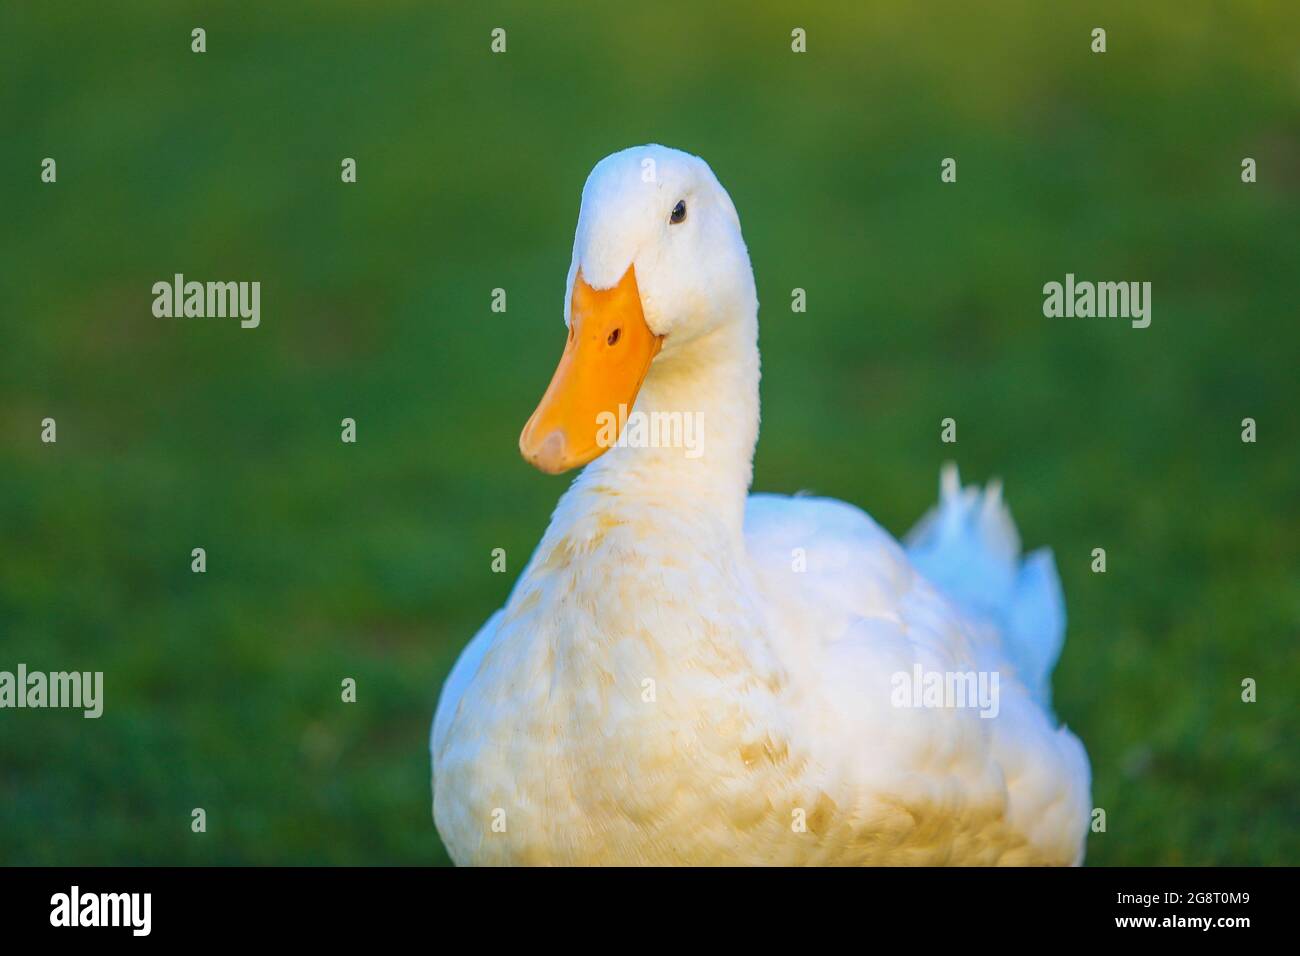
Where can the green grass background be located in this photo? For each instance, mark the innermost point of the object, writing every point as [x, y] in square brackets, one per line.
[373, 561]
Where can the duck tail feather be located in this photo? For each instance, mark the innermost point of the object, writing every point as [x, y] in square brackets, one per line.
[969, 547]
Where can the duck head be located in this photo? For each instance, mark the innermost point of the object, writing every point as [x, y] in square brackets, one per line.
[658, 264]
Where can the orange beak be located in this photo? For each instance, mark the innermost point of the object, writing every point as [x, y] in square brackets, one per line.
[605, 360]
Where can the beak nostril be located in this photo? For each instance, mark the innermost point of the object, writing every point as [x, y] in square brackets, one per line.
[613, 336]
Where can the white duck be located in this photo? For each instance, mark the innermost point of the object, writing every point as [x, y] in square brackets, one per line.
[688, 674]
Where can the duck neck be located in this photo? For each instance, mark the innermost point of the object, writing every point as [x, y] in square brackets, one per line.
[688, 444]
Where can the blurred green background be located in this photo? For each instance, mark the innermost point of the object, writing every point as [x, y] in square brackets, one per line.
[372, 560]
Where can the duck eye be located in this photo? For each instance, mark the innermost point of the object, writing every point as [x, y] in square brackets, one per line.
[679, 212]
[613, 336]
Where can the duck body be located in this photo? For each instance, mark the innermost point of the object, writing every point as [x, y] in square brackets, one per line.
[688, 674]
